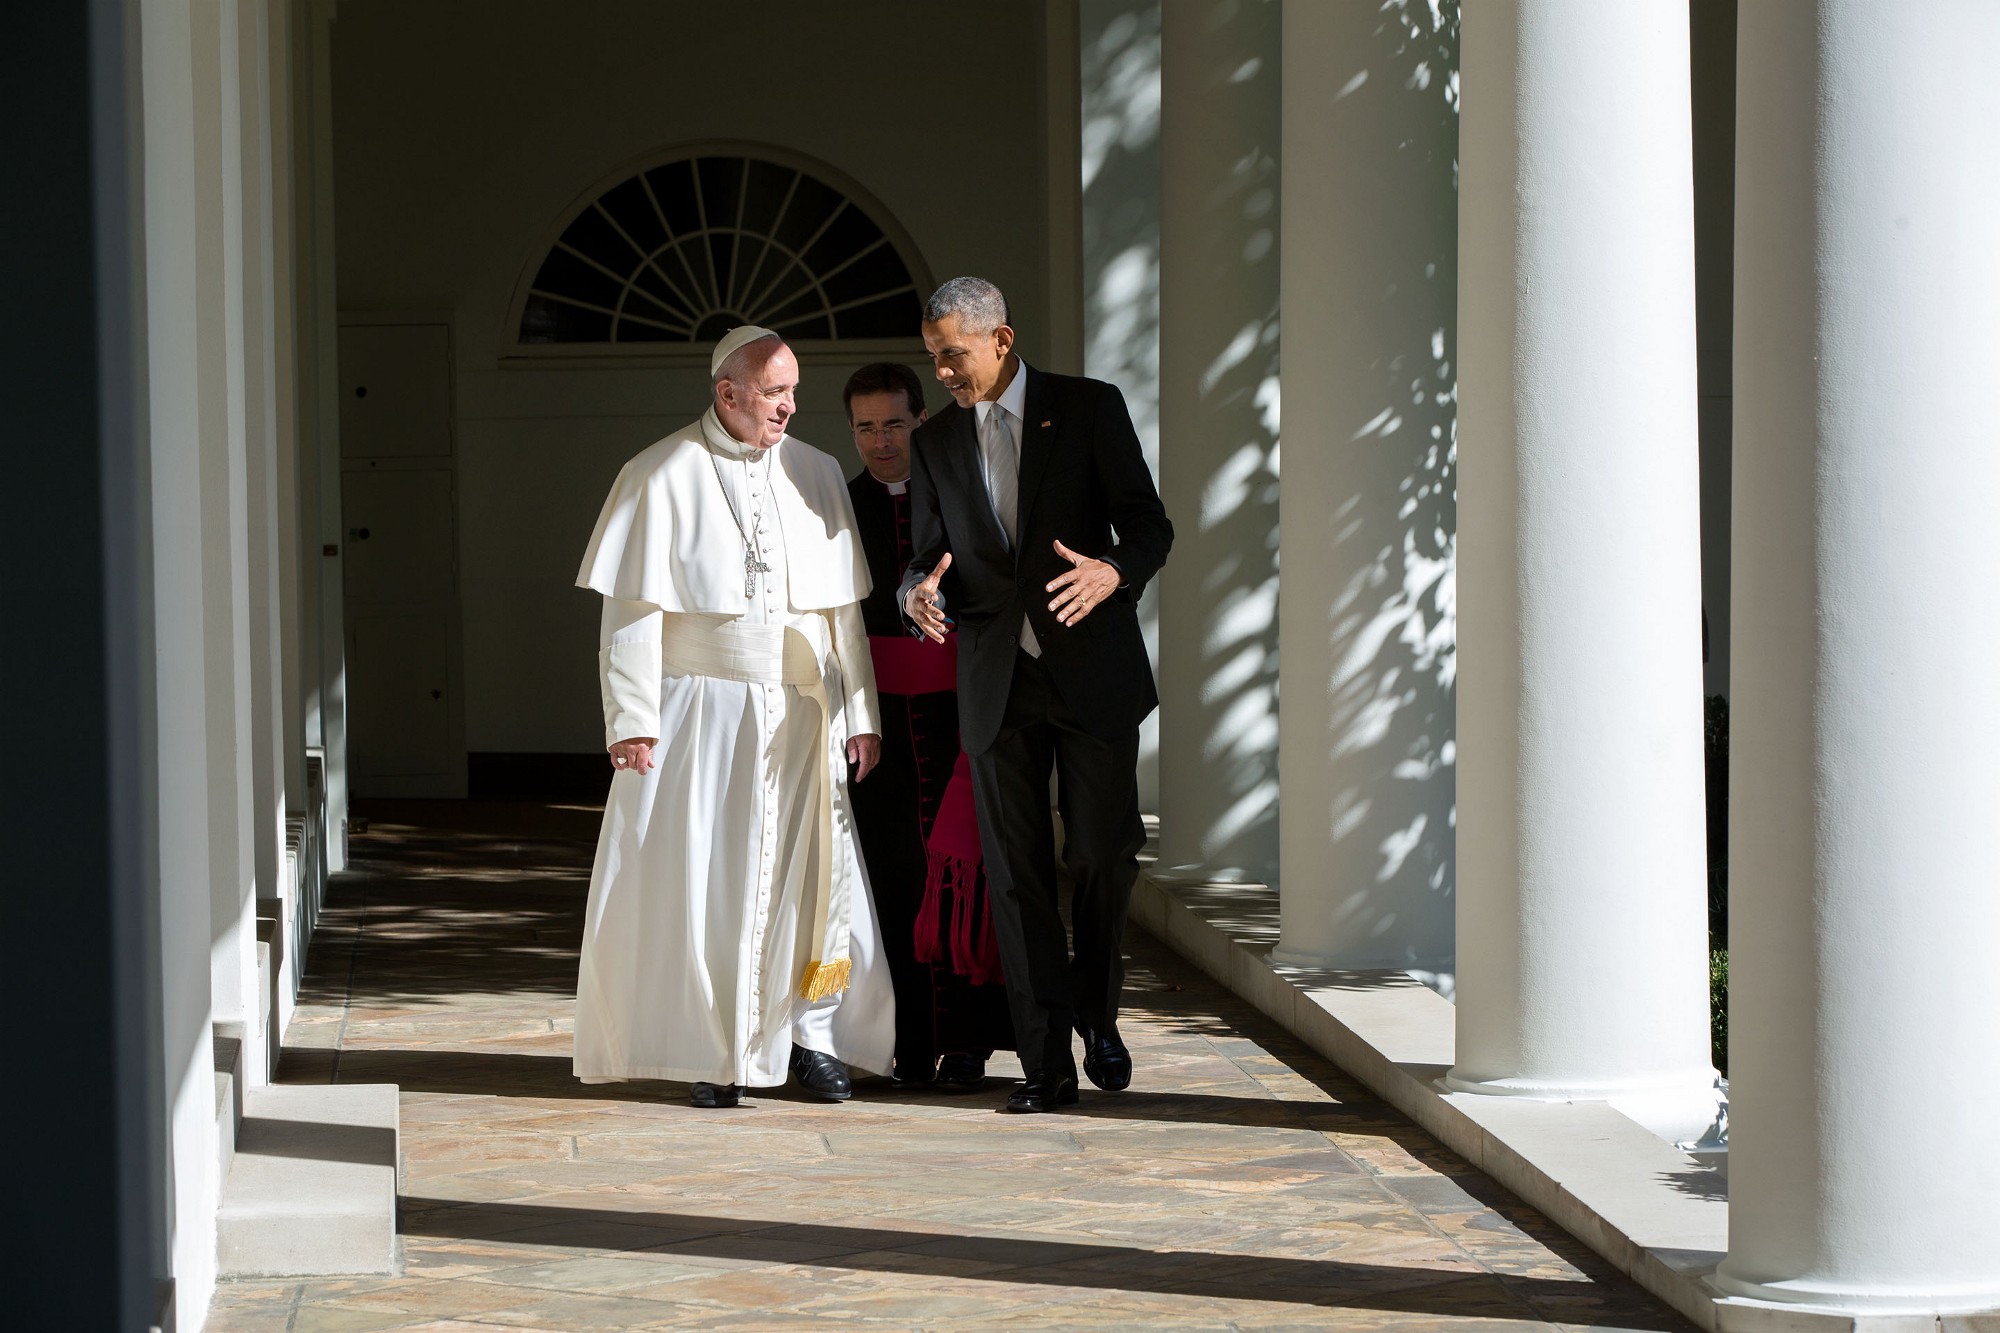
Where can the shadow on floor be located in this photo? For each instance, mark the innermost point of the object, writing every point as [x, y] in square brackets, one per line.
[1452, 1293]
[519, 1074]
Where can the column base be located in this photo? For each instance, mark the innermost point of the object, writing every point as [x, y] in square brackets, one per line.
[1678, 1112]
[1791, 1307]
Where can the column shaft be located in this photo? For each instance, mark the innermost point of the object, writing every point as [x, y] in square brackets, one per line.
[260, 409]
[1119, 82]
[222, 517]
[319, 419]
[1866, 606]
[175, 215]
[1219, 117]
[1367, 279]
[1581, 924]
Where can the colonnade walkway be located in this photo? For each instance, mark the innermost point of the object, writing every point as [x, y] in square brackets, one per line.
[1242, 1182]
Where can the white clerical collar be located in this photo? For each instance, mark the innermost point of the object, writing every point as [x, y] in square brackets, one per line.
[898, 487]
[721, 440]
[1014, 397]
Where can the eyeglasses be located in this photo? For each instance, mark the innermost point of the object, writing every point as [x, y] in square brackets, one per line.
[869, 430]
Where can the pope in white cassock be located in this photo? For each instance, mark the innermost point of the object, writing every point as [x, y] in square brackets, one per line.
[729, 934]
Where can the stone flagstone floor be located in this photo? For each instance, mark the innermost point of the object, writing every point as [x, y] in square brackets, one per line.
[1242, 1183]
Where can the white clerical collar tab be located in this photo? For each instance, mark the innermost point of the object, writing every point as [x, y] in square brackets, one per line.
[897, 487]
[733, 341]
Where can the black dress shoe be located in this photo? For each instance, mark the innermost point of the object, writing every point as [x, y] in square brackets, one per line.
[712, 1095]
[913, 1073]
[1106, 1061]
[1044, 1091]
[961, 1073]
[821, 1074]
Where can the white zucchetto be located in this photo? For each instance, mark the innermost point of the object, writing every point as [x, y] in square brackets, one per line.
[739, 337]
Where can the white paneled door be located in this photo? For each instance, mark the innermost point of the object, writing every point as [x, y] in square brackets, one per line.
[398, 480]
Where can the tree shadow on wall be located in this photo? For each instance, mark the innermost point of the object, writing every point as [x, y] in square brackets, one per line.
[1120, 85]
[1392, 524]
[1228, 356]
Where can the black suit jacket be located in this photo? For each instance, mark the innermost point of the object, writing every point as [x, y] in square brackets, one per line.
[1084, 481]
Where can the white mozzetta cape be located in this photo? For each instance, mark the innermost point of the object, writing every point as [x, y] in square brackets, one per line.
[666, 536]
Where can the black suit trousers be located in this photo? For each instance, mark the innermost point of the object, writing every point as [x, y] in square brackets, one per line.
[1048, 989]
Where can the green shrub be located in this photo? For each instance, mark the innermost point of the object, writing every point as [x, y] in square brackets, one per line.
[1718, 1009]
[1715, 756]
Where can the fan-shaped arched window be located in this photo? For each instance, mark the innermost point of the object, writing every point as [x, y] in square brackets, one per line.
[711, 238]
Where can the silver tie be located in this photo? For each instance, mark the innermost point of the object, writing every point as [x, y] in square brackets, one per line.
[1003, 480]
[1003, 471]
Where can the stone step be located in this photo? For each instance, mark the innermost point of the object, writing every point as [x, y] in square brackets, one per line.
[313, 1188]
[227, 1039]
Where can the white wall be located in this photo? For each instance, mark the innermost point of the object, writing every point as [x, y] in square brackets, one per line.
[462, 132]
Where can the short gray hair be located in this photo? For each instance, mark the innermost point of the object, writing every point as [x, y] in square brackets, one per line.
[978, 304]
[736, 368]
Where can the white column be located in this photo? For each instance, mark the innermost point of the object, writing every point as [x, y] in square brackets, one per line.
[1218, 375]
[1864, 920]
[253, 147]
[1119, 82]
[224, 505]
[174, 427]
[321, 537]
[303, 52]
[1061, 108]
[297, 869]
[1367, 279]
[1581, 918]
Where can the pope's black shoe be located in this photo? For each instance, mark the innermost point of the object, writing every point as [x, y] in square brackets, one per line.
[710, 1095]
[1106, 1061]
[961, 1073]
[1044, 1090]
[821, 1074]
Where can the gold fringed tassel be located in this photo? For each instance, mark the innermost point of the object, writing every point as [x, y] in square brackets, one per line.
[824, 979]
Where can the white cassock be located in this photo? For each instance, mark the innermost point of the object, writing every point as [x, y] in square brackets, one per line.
[728, 903]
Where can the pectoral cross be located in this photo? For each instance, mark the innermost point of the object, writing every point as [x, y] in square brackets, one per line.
[752, 567]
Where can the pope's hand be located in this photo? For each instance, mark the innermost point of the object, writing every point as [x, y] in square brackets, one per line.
[634, 755]
[1086, 583]
[864, 752]
[922, 604]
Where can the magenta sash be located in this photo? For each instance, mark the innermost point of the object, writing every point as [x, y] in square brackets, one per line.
[907, 665]
[954, 878]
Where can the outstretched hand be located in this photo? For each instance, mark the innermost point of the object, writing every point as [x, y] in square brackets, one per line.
[925, 608]
[1082, 586]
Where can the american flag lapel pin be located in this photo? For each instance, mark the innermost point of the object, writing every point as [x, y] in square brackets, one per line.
[1047, 424]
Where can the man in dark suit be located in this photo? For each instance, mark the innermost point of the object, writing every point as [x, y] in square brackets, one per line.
[1035, 525]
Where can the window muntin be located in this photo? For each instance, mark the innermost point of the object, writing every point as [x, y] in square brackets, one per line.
[692, 247]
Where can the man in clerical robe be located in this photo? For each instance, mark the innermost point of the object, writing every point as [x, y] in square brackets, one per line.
[916, 819]
[729, 936]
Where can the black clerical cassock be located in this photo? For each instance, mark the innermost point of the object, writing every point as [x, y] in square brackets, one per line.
[918, 832]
